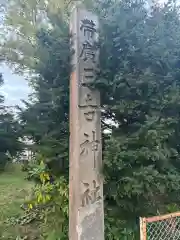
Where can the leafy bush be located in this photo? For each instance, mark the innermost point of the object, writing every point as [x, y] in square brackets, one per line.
[49, 203]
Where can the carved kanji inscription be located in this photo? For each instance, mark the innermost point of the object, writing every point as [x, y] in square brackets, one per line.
[89, 107]
[89, 144]
[88, 52]
[88, 28]
[91, 194]
[88, 76]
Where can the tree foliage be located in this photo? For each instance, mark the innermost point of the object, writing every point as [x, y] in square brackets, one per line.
[9, 133]
[139, 83]
[51, 98]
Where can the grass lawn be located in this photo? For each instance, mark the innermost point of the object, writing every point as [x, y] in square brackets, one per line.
[13, 190]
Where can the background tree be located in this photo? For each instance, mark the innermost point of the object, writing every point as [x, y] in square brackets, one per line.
[10, 144]
[45, 120]
[139, 83]
[140, 90]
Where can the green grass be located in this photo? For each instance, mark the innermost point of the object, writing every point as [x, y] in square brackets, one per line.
[13, 190]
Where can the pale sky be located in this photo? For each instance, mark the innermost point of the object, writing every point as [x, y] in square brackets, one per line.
[15, 87]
